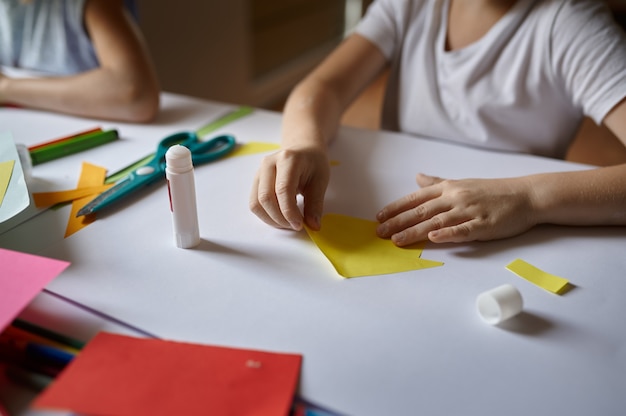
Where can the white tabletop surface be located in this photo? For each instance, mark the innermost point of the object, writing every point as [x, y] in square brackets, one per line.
[406, 343]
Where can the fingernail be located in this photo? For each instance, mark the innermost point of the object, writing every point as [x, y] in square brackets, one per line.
[398, 238]
[381, 230]
[296, 225]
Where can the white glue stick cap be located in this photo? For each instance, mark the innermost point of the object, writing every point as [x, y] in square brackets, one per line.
[499, 304]
[178, 159]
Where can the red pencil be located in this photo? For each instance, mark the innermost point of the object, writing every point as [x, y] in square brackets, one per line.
[63, 139]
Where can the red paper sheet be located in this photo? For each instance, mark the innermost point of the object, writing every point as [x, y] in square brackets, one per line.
[118, 375]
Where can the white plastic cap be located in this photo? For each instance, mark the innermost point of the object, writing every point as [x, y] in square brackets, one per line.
[178, 159]
[499, 304]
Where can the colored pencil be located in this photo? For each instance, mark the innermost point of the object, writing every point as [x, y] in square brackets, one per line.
[47, 333]
[20, 334]
[63, 139]
[73, 145]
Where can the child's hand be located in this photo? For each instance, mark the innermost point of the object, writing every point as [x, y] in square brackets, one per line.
[458, 211]
[281, 177]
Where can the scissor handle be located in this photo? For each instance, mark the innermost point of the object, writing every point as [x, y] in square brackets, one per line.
[210, 150]
[185, 138]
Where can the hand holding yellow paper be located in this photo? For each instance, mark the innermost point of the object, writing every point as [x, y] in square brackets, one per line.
[354, 249]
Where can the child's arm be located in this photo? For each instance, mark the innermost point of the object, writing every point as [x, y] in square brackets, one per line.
[310, 120]
[124, 87]
[487, 209]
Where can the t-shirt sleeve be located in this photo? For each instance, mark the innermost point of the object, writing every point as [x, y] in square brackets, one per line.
[381, 25]
[589, 56]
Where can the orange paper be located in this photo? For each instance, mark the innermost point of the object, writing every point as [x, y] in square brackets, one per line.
[47, 199]
[119, 375]
[90, 176]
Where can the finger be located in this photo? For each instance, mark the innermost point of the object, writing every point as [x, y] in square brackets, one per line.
[256, 207]
[459, 233]
[424, 180]
[264, 203]
[406, 203]
[314, 204]
[286, 187]
[453, 219]
[412, 217]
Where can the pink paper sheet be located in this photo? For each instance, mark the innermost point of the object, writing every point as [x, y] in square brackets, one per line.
[22, 276]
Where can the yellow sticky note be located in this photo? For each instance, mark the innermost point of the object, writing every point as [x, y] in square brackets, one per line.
[354, 249]
[47, 199]
[547, 281]
[6, 171]
[252, 148]
[90, 176]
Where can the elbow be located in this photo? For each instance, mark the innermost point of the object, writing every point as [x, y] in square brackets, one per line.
[138, 100]
[141, 103]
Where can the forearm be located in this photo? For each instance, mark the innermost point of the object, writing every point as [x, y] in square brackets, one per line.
[314, 108]
[590, 197]
[311, 116]
[100, 93]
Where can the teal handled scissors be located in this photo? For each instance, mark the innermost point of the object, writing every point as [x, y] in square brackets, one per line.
[201, 152]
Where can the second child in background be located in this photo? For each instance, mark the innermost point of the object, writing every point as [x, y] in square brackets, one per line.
[88, 56]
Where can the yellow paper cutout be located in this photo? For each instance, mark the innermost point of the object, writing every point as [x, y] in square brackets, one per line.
[47, 199]
[354, 249]
[547, 281]
[253, 147]
[90, 176]
[6, 171]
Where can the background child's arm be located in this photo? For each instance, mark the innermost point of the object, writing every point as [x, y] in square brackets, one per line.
[124, 87]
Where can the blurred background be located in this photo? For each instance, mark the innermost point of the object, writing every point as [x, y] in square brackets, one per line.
[242, 51]
[254, 51]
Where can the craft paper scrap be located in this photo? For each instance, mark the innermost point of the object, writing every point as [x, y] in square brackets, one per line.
[121, 375]
[6, 171]
[250, 148]
[22, 276]
[14, 197]
[354, 249]
[47, 199]
[90, 176]
[547, 281]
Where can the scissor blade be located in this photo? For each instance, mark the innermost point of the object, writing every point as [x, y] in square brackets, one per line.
[104, 199]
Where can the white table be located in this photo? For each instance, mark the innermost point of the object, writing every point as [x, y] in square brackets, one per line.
[408, 343]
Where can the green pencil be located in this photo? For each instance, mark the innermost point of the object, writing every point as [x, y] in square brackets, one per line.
[73, 145]
[47, 333]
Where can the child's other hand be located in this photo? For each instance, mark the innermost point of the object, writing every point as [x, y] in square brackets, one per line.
[281, 177]
[459, 211]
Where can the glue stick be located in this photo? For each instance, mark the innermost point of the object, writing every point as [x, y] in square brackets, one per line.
[182, 193]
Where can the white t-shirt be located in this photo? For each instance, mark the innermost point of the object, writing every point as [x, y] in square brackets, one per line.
[45, 36]
[523, 87]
